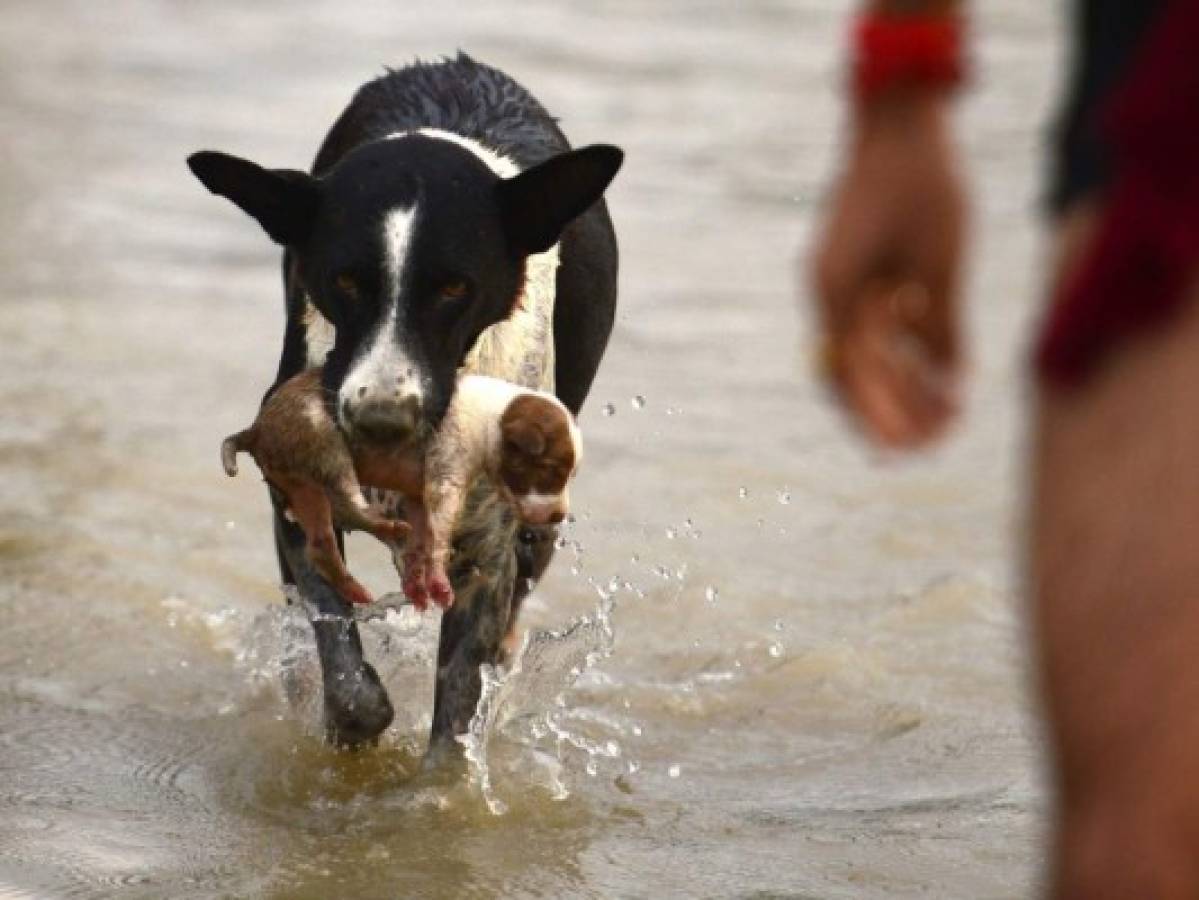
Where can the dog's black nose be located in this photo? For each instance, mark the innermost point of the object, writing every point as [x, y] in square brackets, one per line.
[386, 420]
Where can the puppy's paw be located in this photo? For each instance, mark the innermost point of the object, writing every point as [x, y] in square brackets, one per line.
[353, 591]
[415, 582]
[440, 588]
[394, 530]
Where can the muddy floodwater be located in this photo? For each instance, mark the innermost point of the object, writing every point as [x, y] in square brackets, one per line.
[765, 661]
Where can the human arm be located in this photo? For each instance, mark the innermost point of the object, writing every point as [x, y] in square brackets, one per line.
[887, 266]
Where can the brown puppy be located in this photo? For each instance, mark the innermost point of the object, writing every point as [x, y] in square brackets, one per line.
[303, 454]
[525, 442]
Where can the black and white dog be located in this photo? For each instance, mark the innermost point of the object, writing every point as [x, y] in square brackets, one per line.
[446, 225]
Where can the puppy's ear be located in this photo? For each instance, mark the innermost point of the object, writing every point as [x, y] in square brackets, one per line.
[539, 202]
[524, 437]
[283, 201]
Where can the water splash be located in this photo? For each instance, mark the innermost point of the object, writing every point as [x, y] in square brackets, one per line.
[278, 655]
[528, 696]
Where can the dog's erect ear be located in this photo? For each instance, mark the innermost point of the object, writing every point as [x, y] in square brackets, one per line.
[283, 201]
[539, 202]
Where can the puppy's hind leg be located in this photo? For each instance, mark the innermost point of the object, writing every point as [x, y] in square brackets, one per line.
[353, 512]
[310, 505]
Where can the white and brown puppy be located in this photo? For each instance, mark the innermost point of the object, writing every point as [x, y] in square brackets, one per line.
[526, 442]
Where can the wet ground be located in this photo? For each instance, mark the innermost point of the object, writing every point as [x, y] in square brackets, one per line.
[801, 668]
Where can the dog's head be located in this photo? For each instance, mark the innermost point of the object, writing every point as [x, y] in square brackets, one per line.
[540, 451]
[410, 246]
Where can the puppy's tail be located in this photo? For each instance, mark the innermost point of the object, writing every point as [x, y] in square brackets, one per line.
[241, 442]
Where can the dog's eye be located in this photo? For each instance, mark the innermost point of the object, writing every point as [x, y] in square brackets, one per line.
[347, 285]
[457, 289]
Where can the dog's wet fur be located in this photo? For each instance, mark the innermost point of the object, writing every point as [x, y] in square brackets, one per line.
[430, 207]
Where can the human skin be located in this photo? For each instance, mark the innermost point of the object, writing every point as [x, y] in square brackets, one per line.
[1114, 505]
[1115, 583]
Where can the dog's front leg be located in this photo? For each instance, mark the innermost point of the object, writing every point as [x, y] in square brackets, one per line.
[483, 573]
[357, 708]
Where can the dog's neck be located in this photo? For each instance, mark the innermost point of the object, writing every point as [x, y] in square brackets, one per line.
[520, 349]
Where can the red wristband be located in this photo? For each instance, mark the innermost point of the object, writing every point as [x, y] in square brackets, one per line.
[899, 51]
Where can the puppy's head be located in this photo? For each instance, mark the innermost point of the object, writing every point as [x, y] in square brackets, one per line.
[540, 451]
[410, 246]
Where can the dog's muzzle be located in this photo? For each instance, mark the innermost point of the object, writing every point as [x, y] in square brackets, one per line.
[382, 419]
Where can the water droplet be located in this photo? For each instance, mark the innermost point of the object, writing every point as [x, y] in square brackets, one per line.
[778, 624]
[634, 767]
[636, 731]
[776, 650]
[575, 569]
[670, 410]
[614, 584]
[612, 749]
[609, 409]
[671, 534]
[681, 572]
[591, 767]
[674, 771]
[638, 402]
[711, 594]
[761, 523]
[635, 558]
[230, 524]
[743, 492]
[784, 496]
[560, 542]
[570, 519]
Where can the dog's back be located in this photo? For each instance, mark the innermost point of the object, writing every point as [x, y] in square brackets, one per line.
[459, 96]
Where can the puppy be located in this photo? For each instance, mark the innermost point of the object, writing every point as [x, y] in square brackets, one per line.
[303, 454]
[525, 442]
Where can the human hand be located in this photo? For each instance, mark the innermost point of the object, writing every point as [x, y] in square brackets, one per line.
[886, 274]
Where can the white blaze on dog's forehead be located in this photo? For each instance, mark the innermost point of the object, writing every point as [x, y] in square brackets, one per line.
[397, 236]
[382, 361]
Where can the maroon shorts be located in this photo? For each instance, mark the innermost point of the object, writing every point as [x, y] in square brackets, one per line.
[1145, 253]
